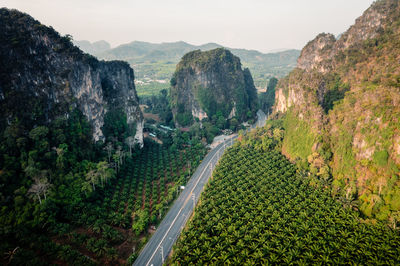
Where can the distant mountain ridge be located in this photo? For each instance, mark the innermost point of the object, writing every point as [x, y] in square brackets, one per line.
[93, 48]
[157, 61]
[171, 50]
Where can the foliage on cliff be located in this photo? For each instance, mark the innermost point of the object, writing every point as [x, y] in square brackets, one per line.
[346, 97]
[267, 99]
[52, 100]
[207, 83]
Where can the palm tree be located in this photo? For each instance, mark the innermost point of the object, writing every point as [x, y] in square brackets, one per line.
[39, 187]
[92, 177]
[103, 171]
[258, 210]
[130, 141]
[10, 255]
[109, 148]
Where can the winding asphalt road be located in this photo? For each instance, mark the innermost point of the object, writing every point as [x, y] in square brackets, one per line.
[160, 244]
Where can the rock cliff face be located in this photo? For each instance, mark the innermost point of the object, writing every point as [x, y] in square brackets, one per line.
[343, 100]
[316, 51]
[37, 62]
[205, 83]
[320, 53]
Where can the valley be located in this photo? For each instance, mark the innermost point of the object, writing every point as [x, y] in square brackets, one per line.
[154, 64]
[177, 154]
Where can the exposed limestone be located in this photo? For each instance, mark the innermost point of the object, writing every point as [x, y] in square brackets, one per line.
[60, 74]
[346, 92]
[233, 112]
[198, 112]
[396, 149]
[318, 53]
[362, 150]
[139, 133]
[211, 82]
[315, 52]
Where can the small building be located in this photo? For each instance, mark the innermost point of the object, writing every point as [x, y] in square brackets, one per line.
[166, 127]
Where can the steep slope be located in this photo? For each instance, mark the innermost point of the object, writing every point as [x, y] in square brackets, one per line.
[157, 61]
[206, 84]
[342, 107]
[47, 75]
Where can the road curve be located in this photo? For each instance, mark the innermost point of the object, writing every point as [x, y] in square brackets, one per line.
[160, 244]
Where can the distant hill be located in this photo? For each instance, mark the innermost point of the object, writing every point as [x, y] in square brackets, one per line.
[154, 62]
[93, 48]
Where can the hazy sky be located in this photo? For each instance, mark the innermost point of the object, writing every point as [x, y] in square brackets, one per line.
[252, 24]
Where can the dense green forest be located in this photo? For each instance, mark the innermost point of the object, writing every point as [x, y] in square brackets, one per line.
[259, 209]
[68, 200]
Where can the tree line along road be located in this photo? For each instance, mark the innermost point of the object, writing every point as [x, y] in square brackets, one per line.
[160, 244]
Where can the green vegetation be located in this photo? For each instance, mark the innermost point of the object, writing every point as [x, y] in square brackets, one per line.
[159, 104]
[344, 120]
[91, 213]
[381, 158]
[66, 199]
[184, 119]
[158, 61]
[196, 133]
[45, 172]
[209, 104]
[359, 142]
[257, 209]
[267, 99]
[336, 91]
[215, 83]
[115, 126]
[299, 138]
[150, 89]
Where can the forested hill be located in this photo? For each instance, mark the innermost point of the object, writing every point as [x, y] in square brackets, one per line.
[212, 85]
[157, 61]
[341, 111]
[67, 123]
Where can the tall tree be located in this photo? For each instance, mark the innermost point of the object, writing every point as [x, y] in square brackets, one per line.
[130, 141]
[109, 148]
[92, 177]
[39, 187]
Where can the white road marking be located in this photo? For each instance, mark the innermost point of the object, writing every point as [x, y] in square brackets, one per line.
[184, 204]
